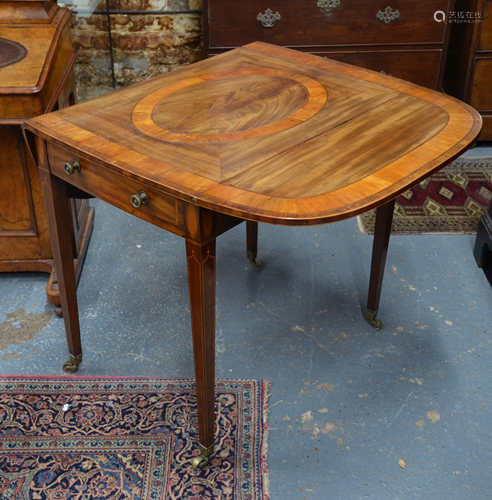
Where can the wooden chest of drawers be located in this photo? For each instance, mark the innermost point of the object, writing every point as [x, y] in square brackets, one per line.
[399, 37]
[469, 70]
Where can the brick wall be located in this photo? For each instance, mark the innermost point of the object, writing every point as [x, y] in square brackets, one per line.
[144, 45]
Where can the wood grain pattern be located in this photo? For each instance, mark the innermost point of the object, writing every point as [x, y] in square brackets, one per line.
[416, 66]
[260, 133]
[37, 40]
[201, 279]
[60, 215]
[305, 24]
[469, 65]
[217, 107]
[42, 81]
[223, 105]
[103, 185]
[11, 52]
[25, 12]
[481, 91]
[412, 47]
[485, 41]
[382, 233]
[16, 207]
[373, 138]
[30, 87]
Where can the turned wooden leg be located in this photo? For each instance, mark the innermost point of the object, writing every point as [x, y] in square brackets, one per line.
[252, 243]
[382, 231]
[61, 233]
[201, 281]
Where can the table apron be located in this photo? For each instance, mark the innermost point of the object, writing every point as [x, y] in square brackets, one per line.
[163, 210]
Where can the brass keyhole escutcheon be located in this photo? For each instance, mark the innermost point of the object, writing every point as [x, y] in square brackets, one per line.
[139, 199]
[71, 168]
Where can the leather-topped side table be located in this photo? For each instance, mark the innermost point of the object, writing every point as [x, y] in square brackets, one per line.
[260, 133]
[36, 77]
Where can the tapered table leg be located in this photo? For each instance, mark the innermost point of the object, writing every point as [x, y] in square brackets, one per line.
[382, 231]
[61, 233]
[201, 281]
[252, 243]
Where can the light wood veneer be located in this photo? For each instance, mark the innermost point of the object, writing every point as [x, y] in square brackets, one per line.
[352, 140]
[261, 133]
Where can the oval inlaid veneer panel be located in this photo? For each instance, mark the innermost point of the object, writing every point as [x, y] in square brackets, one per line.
[325, 141]
[187, 111]
[11, 52]
[224, 105]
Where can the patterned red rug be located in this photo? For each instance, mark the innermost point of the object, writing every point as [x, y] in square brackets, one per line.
[126, 438]
[450, 201]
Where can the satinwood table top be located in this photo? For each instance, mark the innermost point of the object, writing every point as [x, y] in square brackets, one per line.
[270, 134]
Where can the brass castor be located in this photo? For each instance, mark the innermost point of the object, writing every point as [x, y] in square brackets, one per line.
[377, 324]
[73, 365]
[256, 264]
[59, 311]
[200, 462]
[252, 260]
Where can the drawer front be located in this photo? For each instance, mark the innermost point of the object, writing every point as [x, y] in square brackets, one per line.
[485, 42]
[486, 134]
[303, 23]
[162, 209]
[420, 67]
[481, 93]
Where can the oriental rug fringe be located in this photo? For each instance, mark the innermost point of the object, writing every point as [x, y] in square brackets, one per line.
[123, 438]
[450, 201]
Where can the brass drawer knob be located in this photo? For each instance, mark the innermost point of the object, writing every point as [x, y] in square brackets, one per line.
[268, 19]
[71, 168]
[139, 199]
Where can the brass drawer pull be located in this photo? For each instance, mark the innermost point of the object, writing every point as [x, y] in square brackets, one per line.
[268, 19]
[388, 15]
[71, 168]
[139, 199]
[327, 5]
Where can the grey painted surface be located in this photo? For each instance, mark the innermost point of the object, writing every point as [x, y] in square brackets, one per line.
[348, 403]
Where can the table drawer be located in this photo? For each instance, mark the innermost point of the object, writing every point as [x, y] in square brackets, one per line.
[162, 209]
[303, 23]
[420, 67]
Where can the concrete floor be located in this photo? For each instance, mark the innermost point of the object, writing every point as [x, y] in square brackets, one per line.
[349, 406]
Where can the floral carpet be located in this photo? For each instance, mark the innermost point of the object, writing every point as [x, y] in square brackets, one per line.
[115, 438]
[450, 201]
